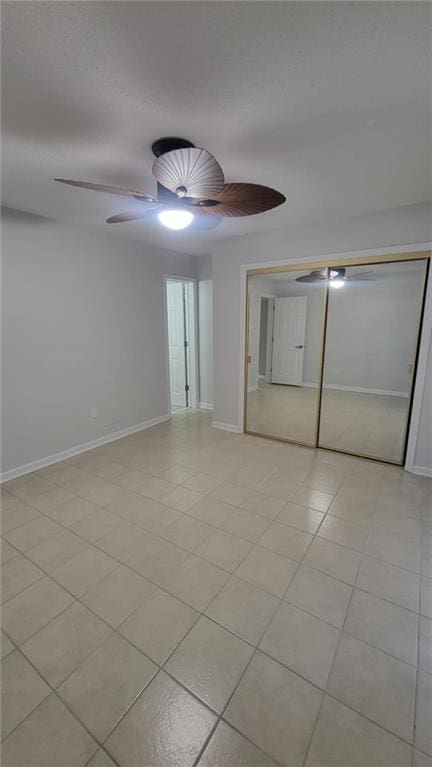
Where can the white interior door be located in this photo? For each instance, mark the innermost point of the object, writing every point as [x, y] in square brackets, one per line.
[176, 343]
[288, 340]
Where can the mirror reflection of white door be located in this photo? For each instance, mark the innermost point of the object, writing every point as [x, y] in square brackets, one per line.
[288, 340]
[176, 343]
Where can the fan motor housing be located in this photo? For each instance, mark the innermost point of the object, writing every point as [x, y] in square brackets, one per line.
[168, 144]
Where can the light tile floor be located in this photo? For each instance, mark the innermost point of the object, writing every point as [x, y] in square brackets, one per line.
[186, 596]
[365, 424]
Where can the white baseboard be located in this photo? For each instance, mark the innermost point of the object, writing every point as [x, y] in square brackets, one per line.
[358, 389]
[422, 471]
[41, 463]
[227, 427]
[362, 390]
[206, 405]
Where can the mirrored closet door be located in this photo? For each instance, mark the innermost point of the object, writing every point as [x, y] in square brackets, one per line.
[285, 343]
[331, 354]
[371, 339]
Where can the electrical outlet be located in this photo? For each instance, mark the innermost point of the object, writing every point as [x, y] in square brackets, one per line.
[93, 412]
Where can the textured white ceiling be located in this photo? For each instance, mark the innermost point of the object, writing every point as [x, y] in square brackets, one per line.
[327, 102]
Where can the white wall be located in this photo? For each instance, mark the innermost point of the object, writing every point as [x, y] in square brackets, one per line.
[205, 321]
[83, 327]
[372, 332]
[396, 227]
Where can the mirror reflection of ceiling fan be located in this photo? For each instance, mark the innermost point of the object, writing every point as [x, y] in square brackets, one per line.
[338, 276]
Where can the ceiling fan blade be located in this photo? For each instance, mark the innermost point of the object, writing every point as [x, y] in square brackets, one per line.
[192, 169]
[131, 215]
[108, 189]
[245, 200]
[316, 275]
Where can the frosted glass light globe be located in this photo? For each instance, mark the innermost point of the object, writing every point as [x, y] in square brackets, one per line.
[175, 219]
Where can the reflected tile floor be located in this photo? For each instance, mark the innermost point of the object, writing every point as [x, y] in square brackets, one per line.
[190, 597]
[367, 424]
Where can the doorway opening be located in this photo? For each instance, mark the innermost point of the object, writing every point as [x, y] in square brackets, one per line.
[265, 353]
[181, 343]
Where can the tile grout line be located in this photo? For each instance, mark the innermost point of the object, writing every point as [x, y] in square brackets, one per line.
[231, 574]
[238, 682]
[281, 599]
[235, 508]
[190, 692]
[279, 602]
[201, 614]
[255, 650]
[332, 663]
[417, 671]
[329, 675]
[159, 668]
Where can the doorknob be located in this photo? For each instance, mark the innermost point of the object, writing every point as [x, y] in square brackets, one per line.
[299, 347]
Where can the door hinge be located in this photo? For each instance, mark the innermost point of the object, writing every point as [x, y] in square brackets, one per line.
[187, 387]
[185, 344]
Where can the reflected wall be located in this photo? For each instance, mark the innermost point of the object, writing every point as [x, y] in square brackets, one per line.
[370, 354]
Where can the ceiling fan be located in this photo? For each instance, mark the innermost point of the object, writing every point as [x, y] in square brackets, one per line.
[190, 189]
[338, 276]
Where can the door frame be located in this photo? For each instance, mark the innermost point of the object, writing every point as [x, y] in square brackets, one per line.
[192, 333]
[362, 258]
[269, 341]
[269, 297]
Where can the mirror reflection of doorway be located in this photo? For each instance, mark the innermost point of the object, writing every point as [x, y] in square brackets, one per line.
[180, 305]
[286, 319]
[332, 355]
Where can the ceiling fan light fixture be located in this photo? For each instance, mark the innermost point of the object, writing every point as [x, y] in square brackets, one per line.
[175, 219]
[337, 277]
[191, 181]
